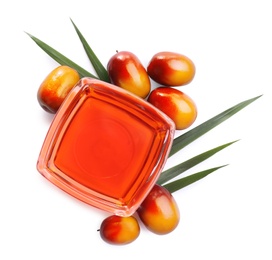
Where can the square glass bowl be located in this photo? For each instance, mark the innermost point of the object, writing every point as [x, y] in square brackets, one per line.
[106, 147]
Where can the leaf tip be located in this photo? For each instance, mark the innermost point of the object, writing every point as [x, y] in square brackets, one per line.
[72, 22]
[28, 33]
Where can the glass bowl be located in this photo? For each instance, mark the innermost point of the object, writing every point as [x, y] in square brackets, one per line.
[106, 146]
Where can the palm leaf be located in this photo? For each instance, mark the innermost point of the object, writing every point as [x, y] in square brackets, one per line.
[61, 59]
[184, 166]
[183, 182]
[99, 68]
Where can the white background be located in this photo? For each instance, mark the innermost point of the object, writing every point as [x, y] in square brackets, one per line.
[224, 216]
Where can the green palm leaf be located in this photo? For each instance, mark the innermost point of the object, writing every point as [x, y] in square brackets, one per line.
[184, 166]
[61, 59]
[99, 68]
[183, 182]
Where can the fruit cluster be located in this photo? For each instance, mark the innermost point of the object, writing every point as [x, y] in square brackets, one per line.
[125, 70]
[158, 212]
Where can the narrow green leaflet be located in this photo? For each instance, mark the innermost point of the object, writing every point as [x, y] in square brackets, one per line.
[99, 68]
[182, 167]
[190, 136]
[183, 182]
[61, 59]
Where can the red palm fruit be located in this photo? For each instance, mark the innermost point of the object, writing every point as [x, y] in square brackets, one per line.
[176, 104]
[119, 230]
[159, 211]
[126, 71]
[55, 87]
[171, 69]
